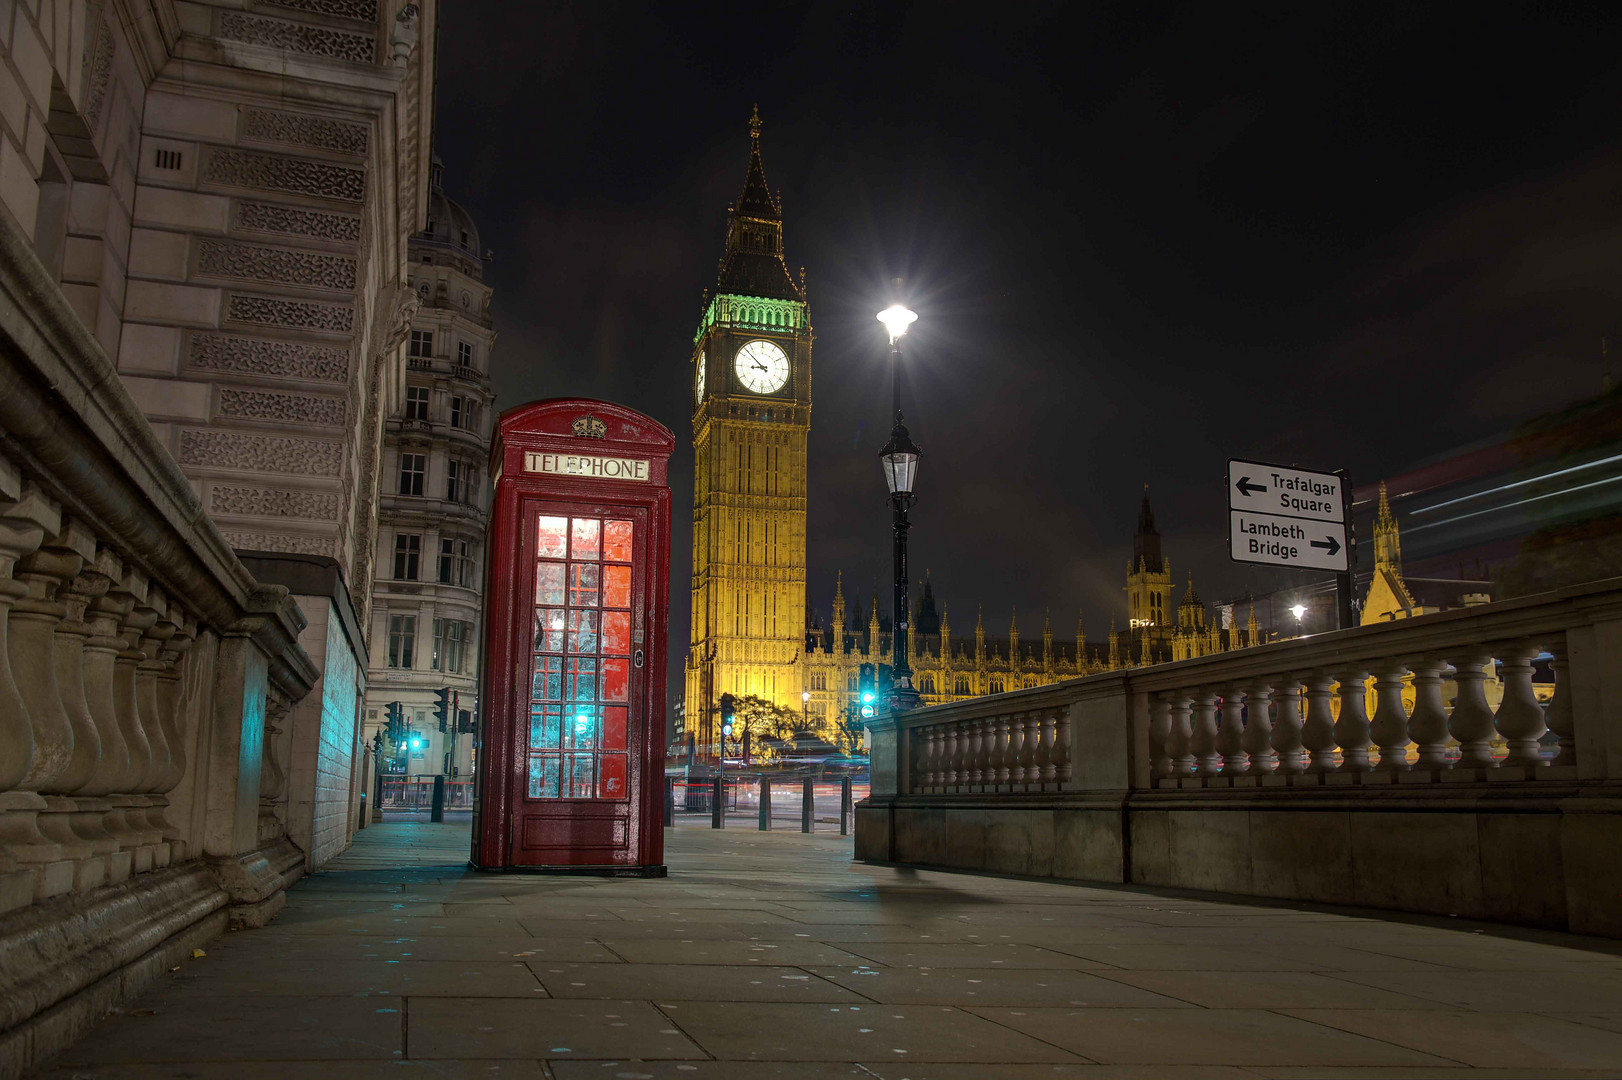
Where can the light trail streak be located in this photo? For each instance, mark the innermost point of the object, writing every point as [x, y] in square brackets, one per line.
[1519, 502]
[1519, 483]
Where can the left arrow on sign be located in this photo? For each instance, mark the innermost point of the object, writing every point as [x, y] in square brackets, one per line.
[1247, 488]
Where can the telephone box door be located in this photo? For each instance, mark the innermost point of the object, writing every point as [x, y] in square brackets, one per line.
[577, 802]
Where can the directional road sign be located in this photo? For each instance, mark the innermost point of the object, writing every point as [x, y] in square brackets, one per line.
[1286, 517]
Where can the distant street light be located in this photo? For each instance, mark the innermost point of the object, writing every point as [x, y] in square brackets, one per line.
[900, 460]
[1298, 611]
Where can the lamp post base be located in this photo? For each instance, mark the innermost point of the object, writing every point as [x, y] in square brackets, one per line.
[905, 699]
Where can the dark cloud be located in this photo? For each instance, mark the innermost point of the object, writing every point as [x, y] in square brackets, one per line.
[1140, 238]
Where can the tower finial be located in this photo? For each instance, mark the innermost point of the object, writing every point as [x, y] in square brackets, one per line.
[754, 122]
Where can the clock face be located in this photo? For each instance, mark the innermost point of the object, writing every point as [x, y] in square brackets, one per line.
[699, 379]
[762, 367]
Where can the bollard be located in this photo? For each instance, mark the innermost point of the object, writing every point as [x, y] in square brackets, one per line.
[765, 803]
[361, 824]
[377, 796]
[808, 803]
[437, 811]
[718, 804]
[670, 801]
[844, 806]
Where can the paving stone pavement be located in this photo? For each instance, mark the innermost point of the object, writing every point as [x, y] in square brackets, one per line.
[773, 955]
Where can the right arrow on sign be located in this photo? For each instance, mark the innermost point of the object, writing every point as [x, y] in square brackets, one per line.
[1247, 488]
[1332, 544]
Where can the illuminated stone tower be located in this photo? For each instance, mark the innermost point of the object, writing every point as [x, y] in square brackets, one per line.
[751, 364]
[1148, 578]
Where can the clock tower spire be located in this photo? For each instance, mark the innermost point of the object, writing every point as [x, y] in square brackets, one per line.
[751, 360]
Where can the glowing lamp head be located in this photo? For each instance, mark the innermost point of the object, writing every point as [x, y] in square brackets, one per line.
[805, 695]
[896, 319]
[1298, 610]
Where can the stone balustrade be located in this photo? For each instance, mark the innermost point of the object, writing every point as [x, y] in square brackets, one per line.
[1299, 768]
[137, 657]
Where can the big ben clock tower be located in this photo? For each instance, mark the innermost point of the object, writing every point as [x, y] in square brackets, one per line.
[751, 368]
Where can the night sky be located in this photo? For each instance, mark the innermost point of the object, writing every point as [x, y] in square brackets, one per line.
[1140, 240]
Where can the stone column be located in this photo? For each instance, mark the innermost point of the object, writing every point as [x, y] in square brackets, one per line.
[1258, 739]
[1389, 725]
[1471, 722]
[1520, 715]
[1352, 727]
[1318, 729]
[1287, 726]
[1427, 727]
[1203, 742]
[1231, 735]
[236, 740]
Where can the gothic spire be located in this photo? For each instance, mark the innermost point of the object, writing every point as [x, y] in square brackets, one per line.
[1146, 543]
[753, 264]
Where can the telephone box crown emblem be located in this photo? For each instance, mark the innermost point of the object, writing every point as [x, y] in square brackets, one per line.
[589, 427]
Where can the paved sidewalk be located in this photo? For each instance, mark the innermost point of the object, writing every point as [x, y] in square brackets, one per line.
[772, 955]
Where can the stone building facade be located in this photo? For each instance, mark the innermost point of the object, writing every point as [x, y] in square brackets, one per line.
[435, 502]
[204, 213]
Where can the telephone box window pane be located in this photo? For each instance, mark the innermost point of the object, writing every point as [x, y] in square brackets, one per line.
[549, 630]
[616, 586]
[580, 728]
[616, 632]
[548, 583]
[583, 584]
[585, 539]
[579, 779]
[582, 631]
[617, 541]
[543, 727]
[616, 677]
[548, 679]
[551, 536]
[543, 777]
[581, 679]
[613, 727]
[612, 785]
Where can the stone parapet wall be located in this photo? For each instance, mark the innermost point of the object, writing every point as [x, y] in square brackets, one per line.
[1264, 772]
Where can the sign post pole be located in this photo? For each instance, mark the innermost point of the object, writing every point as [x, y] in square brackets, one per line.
[1343, 581]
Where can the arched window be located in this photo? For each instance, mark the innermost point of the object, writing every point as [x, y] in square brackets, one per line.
[962, 685]
[996, 686]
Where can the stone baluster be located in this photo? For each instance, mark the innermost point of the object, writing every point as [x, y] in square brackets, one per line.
[1520, 715]
[154, 640]
[937, 756]
[971, 753]
[1258, 739]
[272, 776]
[1159, 734]
[1352, 727]
[1427, 725]
[103, 614]
[1559, 713]
[950, 751]
[129, 807]
[988, 752]
[1203, 742]
[1318, 729]
[1287, 727]
[26, 518]
[1389, 725]
[1061, 747]
[1006, 748]
[1046, 772]
[1471, 722]
[1179, 745]
[73, 679]
[1030, 731]
[1231, 733]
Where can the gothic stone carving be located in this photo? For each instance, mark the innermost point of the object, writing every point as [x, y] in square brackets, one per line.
[259, 453]
[224, 258]
[316, 132]
[267, 502]
[360, 10]
[293, 408]
[295, 545]
[280, 359]
[101, 74]
[298, 37]
[274, 172]
[294, 314]
[294, 221]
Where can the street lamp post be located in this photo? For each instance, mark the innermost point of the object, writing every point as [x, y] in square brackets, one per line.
[900, 460]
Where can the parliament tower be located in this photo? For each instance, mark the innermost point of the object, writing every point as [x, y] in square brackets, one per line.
[751, 367]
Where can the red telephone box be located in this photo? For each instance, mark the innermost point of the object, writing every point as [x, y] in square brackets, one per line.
[570, 762]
